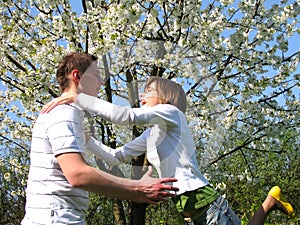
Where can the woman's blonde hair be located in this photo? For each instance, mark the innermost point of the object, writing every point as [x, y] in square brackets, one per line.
[169, 92]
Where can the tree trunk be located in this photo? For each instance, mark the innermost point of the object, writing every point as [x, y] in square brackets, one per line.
[138, 210]
[119, 212]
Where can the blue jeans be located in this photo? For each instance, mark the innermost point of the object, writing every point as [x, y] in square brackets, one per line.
[219, 213]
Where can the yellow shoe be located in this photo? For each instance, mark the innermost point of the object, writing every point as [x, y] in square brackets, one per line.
[275, 192]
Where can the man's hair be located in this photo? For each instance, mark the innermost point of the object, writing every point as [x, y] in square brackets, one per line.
[70, 62]
[169, 92]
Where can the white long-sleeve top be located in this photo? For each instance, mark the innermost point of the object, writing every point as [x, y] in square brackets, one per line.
[168, 142]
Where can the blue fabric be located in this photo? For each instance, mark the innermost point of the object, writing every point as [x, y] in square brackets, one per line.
[219, 213]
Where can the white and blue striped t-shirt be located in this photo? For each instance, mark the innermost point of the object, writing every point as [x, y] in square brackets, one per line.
[50, 199]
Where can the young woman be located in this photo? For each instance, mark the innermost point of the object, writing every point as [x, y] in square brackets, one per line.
[170, 148]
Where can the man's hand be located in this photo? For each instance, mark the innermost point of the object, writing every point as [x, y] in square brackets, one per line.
[154, 189]
[64, 99]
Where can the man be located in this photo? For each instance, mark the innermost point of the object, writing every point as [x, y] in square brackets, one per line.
[59, 178]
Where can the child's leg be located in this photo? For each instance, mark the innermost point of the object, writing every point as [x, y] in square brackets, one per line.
[273, 201]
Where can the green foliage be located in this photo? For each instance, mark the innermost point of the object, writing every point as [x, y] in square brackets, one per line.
[100, 210]
[163, 214]
[12, 185]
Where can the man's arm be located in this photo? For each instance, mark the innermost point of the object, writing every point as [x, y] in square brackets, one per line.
[81, 175]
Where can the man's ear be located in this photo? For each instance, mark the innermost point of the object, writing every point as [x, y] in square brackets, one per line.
[76, 76]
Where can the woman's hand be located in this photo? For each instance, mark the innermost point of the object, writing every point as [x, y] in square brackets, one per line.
[64, 99]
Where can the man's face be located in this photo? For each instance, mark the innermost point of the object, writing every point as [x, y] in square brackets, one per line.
[91, 81]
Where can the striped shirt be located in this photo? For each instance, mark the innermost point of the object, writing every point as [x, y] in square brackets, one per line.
[50, 199]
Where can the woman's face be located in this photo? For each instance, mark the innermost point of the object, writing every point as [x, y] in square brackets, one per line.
[150, 98]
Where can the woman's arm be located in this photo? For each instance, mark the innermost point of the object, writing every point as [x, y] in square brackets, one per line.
[123, 115]
[119, 155]
[64, 99]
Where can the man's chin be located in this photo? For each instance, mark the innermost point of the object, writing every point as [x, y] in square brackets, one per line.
[90, 93]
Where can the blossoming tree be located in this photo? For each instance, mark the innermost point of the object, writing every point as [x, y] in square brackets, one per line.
[237, 61]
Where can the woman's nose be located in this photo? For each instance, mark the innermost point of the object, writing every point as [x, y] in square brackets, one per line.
[142, 95]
